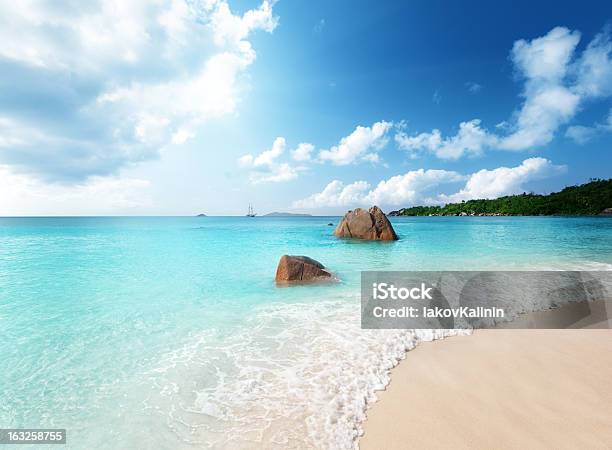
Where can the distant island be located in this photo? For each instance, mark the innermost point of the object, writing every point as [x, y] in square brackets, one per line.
[286, 214]
[593, 198]
[201, 215]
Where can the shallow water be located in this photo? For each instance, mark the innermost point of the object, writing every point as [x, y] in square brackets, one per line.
[170, 333]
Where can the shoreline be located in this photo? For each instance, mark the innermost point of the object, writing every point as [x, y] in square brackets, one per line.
[502, 388]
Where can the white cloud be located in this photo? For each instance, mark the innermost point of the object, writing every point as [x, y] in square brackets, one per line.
[178, 104]
[265, 158]
[268, 157]
[182, 135]
[275, 174]
[504, 180]
[303, 152]
[362, 144]
[545, 59]
[113, 32]
[335, 194]
[124, 79]
[211, 91]
[424, 141]
[422, 187]
[541, 116]
[582, 134]
[473, 87]
[410, 187]
[232, 29]
[595, 67]
[544, 64]
[25, 195]
[264, 168]
[556, 84]
[471, 139]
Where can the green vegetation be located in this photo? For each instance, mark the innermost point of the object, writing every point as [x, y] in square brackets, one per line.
[587, 199]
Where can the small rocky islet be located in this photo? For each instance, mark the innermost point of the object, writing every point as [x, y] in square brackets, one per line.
[371, 224]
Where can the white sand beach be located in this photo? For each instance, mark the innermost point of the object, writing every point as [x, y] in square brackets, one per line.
[503, 389]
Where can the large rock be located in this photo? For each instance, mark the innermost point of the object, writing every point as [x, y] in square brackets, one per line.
[606, 212]
[362, 224]
[300, 269]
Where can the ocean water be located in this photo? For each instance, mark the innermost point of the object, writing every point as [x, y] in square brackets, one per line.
[169, 332]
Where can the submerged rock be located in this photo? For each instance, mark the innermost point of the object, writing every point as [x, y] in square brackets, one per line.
[361, 224]
[300, 269]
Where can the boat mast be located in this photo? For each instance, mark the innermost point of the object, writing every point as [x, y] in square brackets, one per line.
[250, 213]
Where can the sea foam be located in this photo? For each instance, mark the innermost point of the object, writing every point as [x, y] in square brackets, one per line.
[297, 375]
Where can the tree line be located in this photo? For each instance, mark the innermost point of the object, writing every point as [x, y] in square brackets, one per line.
[587, 199]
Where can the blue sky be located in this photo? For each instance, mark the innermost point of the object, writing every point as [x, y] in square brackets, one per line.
[186, 107]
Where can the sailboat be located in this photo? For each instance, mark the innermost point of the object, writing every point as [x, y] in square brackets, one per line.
[251, 213]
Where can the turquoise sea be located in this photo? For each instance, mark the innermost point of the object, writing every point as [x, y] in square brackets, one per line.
[169, 333]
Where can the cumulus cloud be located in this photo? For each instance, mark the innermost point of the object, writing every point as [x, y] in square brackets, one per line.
[335, 194]
[543, 63]
[410, 187]
[545, 59]
[504, 180]
[363, 144]
[471, 139]
[265, 158]
[303, 152]
[118, 80]
[540, 117]
[265, 168]
[557, 82]
[422, 187]
[276, 174]
[594, 68]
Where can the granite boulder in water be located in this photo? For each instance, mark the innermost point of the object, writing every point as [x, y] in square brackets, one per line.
[300, 269]
[370, 225]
